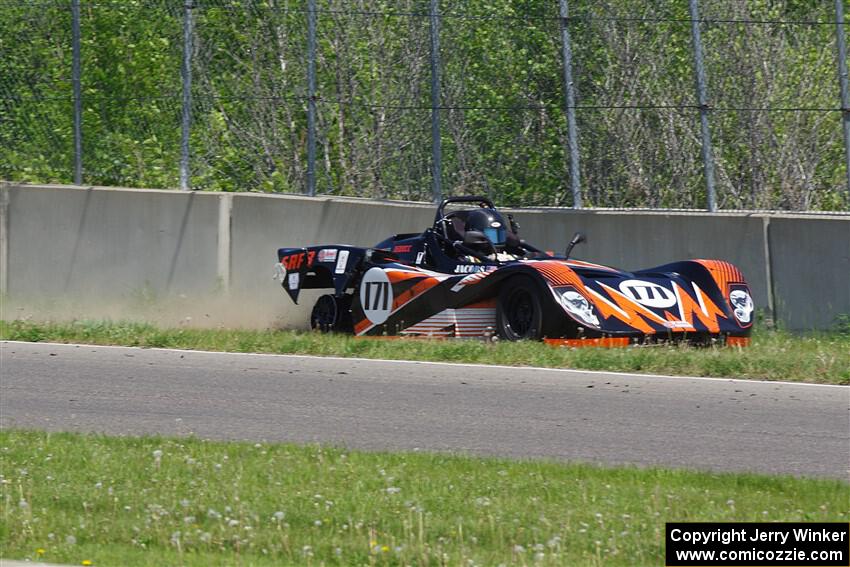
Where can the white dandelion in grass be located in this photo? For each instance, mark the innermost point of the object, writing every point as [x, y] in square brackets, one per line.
[393, 490]
[278, 516]
[70, 540]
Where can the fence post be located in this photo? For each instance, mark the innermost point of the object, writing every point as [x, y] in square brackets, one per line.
[311, 98]
[842, 78]
[4, 243]
[78, 101]
[570, 97]
[188, 32]
[436, 148]
[702, 100]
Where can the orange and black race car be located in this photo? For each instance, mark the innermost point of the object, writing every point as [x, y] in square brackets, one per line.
[470, 275]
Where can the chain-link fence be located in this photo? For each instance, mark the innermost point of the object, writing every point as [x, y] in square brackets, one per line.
[773, 99]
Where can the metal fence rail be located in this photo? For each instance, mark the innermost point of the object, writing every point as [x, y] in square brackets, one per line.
[537, 103]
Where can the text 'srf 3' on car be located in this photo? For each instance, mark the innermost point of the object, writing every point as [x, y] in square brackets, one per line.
[470, 275]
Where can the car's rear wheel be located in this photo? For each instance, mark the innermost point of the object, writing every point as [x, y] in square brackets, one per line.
[331, 314]
[519, 311]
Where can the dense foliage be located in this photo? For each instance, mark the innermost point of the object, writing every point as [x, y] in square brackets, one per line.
[503, 123]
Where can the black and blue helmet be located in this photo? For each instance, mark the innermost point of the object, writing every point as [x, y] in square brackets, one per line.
[489, 222]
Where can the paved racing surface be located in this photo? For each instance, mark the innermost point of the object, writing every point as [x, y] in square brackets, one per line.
[726, 425]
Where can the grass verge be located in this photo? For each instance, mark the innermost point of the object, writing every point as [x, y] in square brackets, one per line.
[774, 355]
[156, 501]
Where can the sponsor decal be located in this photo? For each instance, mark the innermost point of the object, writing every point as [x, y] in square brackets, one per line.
[648, 294]
[327, 255]
[376, 295]
[742, 305]
[677, 325]
[472, 279]
[279, 272]
[402, 248]
[420, 256]
[341, 262]
[294, 262]
[576, 304]
[470, 268]
[495, 224]
[294, 281]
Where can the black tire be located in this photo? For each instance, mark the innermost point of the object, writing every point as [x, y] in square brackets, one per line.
[519, 310]
[331, 314]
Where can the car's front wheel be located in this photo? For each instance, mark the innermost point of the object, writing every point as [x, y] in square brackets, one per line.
[519, 310]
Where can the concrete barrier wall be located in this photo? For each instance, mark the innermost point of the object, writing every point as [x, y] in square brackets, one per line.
[810, 261]
[205, 259]
[99, 243]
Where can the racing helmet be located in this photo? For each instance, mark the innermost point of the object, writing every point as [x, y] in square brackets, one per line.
[489, 222]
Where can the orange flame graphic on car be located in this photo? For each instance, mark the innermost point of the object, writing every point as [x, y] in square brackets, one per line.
[625, 309]
[636, 316]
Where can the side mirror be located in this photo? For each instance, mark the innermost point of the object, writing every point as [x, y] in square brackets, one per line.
[578, 238]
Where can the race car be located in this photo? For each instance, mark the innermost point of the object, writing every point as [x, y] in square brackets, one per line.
[471, 275]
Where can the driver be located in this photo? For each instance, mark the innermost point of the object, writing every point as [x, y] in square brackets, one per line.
[491, 224]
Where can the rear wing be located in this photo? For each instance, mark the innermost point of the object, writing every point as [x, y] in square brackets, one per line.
[318, 267]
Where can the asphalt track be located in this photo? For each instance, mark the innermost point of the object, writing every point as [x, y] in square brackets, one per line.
[720, 425]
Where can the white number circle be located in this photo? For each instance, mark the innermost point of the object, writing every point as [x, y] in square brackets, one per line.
[648, 293]
[376, 295]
